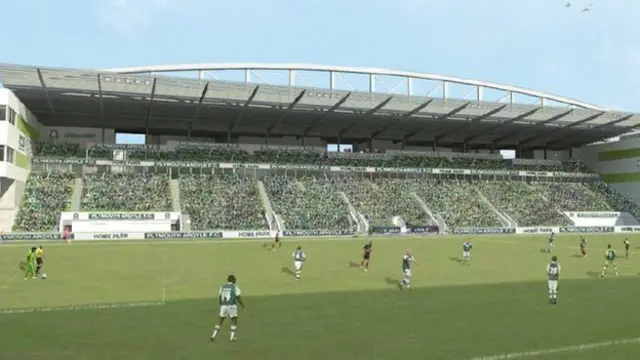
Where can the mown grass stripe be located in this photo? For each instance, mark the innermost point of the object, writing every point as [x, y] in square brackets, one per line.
[619, 154]
[621, 177]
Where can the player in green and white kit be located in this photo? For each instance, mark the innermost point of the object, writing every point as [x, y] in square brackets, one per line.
[553, 273]
[610, 260]
[407, 260]
[229, 297]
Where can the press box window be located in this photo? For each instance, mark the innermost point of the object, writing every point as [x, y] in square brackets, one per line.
[1, 152]
[3, 113]
[11, 154]
[12, 116]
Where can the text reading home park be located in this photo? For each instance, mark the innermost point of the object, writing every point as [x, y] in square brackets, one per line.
[273, 221]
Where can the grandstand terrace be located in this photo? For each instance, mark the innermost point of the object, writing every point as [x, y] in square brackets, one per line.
[246, 155]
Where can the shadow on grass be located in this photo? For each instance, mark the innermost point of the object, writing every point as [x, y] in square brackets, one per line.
[593, 274]
[456, 259]
[391, 281]
[353, 264]
[287, 271]
[22, 265]
[576, 256]
[544, 251]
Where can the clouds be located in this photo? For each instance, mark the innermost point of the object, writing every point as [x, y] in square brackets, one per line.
[130, 16]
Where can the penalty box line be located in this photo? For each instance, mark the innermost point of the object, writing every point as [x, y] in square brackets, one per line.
[17, 311]
[558, 350]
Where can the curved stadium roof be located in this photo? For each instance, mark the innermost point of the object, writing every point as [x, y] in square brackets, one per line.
[146, 99]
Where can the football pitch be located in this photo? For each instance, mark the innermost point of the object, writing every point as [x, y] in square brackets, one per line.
[158, 300]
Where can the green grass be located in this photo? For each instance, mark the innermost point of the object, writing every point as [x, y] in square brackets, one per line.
[498, 305]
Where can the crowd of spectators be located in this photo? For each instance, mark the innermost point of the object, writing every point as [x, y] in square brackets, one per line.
[616, 200]
[45, 196]
[126, 192]
[524, 203]
[222, 202]
[457, 202]
[307, 203]
[573, 197]
[231, 201]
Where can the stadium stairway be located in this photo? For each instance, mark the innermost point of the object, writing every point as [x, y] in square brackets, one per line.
[506, 220]
[363, 224]
[174, 185]
[76, 197]
[436, 219]
[274, 222]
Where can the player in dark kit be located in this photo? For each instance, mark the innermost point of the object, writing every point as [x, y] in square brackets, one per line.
[39, 260]
[583, 246]
[366, 256]
[627, 247]
[276, 242]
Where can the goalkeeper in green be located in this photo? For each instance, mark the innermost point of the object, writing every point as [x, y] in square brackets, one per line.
[610, 260]
[30, 266]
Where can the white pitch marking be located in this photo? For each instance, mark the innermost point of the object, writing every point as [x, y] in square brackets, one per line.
[564, 349]
[13, 311]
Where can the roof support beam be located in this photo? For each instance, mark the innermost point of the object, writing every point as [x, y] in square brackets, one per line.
[439, 118]
[506, 122]
[537, 124]
[367, 114]
[378, 107]
[326, 113]
[617, 121]
[46, 94]
[472, 121]
[416, 110]
[149, 109]
[286, 112]
[532, 138]
[585, 120]
[244, 108]
[197, 110]
[102, 117]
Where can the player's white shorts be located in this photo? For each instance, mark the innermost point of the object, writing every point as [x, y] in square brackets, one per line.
[553, 285]
[298, 265]
[228, 311]
[466, 254]
[406, 273]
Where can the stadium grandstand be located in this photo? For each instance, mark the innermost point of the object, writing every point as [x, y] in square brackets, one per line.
[244, 147]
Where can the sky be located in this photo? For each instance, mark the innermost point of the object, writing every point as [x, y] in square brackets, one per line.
[540, 44]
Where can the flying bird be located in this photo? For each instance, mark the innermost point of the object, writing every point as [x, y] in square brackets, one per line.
[568, 4]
